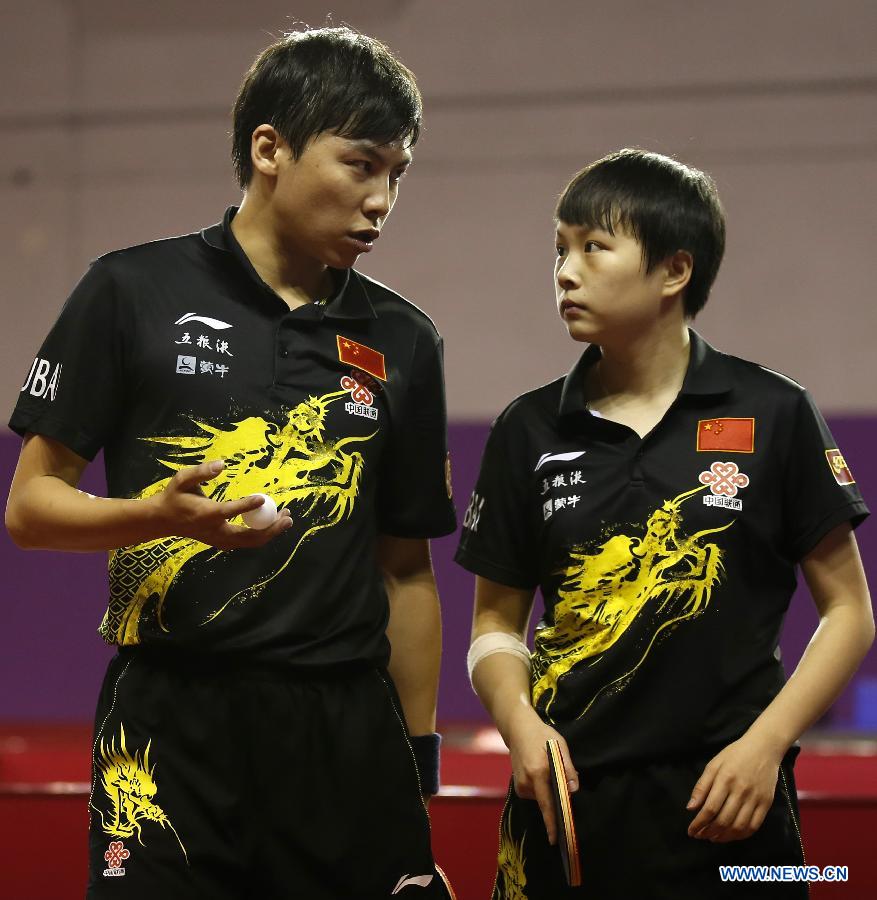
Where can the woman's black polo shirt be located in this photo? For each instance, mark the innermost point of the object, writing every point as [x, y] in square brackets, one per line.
[666, 563]
[176, 352]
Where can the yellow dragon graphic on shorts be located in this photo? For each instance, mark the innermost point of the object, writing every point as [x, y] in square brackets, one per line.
[511, 880]
[129, 784]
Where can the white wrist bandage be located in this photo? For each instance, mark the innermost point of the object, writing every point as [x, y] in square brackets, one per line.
[496, 642]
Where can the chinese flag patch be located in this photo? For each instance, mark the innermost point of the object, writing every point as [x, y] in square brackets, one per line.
[839, 467]
[362, 357]
[727, 435]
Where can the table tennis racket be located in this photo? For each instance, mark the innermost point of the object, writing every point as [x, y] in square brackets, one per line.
[566, 829]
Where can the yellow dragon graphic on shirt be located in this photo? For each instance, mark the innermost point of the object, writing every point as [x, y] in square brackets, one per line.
[292, 462]
[607, 587]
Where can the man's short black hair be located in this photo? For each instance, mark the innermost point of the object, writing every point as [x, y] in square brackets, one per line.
[666, 205]
[328, 79]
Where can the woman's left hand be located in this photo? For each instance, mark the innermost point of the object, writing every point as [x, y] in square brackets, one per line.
[735, 791]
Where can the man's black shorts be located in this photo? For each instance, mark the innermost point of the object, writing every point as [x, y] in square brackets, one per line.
[227, 781]
[632, 829]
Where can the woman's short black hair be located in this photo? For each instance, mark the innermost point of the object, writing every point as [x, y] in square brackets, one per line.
[666, 205]
[327, 79]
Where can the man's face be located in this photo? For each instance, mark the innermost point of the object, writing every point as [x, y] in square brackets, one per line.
[603, 291]
[332, 202]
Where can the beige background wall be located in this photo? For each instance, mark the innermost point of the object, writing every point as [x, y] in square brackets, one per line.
[113, 130]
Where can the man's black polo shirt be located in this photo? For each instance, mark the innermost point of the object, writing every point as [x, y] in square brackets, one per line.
[176, 352]
[666, 563]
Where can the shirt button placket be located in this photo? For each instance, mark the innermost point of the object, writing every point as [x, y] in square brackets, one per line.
[284, 340]
[636, 469]
[284, 350]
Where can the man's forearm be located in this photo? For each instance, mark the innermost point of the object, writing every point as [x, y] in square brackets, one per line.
[46, 510]
[49, 514]
[414, 632]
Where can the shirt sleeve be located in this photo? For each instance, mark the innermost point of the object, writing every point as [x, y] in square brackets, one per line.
[819, 489]
[414, 494]
[73, 390]
[499, 540]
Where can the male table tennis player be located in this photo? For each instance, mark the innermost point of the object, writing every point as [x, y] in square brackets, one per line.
[249, 738]
[661, 496]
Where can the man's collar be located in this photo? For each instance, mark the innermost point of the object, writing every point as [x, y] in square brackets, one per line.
[349, 299]
[212, 235]
[707, 374]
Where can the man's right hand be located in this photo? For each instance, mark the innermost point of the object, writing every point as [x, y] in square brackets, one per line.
[527, 735]
[183, 509]
[46, 511]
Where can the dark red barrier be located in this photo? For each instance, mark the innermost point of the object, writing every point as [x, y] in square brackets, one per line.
[43, 835]
[43, 820]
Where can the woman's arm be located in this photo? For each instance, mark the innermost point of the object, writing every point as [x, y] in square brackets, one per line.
[502, 682]
[737, 786]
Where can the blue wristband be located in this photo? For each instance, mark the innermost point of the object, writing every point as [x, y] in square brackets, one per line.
[426, 749]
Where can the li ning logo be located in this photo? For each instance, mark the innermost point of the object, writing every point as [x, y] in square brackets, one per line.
[39, 383]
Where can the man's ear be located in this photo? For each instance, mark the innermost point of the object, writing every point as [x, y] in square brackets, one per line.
[679, 268]
[265, 145]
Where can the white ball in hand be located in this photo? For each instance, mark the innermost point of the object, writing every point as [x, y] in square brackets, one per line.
[262, 516]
